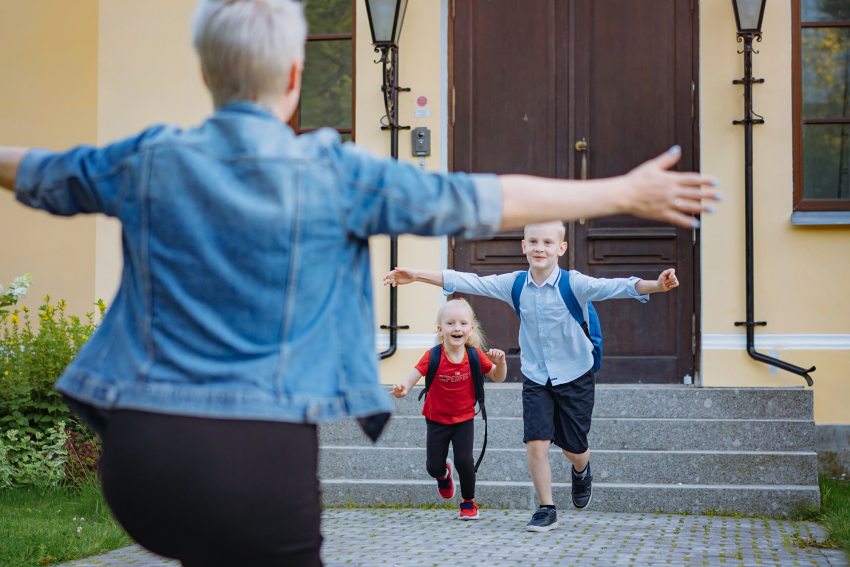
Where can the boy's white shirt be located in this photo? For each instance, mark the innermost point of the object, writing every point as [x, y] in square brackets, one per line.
[552, 344]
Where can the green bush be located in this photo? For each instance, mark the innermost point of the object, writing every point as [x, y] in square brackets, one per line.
[38, 459]
[37, 429]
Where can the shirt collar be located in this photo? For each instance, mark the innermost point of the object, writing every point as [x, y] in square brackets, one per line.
[247, 107]
[551, 280]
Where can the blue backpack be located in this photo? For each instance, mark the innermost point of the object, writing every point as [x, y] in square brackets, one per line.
[593, 331]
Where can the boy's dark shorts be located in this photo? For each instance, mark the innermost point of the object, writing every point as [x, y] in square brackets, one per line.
[560, 414]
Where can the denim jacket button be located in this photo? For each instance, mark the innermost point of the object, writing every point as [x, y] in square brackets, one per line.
[313, 411]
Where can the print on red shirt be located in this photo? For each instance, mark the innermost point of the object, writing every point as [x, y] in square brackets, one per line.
[451, 398]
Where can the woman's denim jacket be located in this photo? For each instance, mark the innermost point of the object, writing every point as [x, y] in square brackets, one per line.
[246, 286]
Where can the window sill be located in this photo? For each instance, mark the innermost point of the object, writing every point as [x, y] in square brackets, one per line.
[820, 218]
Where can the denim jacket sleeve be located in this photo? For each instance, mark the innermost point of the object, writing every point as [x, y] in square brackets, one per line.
[384, 196]
[84, 179]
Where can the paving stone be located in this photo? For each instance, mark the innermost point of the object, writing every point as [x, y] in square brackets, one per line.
[411, 537]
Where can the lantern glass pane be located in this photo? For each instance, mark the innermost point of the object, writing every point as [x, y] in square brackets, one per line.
[402, 8]
[748, 14]
[383, 14]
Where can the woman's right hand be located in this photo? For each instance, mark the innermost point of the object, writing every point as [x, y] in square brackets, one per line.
[399, 390]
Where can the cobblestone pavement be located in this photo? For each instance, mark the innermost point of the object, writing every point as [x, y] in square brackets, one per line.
[413, 537]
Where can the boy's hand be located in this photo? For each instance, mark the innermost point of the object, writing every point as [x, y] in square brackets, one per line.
[667, 280]
[399, 390]
[399, 276]
[496, 356]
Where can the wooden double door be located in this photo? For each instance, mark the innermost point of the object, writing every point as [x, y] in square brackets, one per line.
[572, 89]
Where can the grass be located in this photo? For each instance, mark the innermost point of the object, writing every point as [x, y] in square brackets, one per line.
[44, 526]
[835, 512]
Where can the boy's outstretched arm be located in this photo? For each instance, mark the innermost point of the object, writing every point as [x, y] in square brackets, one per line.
[401, 389]
[650, 191]
[666, 281]
[404, 276]
[9, 160]
[500, 369]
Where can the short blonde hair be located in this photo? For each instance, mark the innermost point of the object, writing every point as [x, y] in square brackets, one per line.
[476, 339]
[562, 229]
[559, 225]
[248, 47]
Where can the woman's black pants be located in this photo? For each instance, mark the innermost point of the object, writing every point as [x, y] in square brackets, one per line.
[213, 492]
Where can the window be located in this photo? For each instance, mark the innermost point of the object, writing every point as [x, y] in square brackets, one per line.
[821, 105]
[327, 90]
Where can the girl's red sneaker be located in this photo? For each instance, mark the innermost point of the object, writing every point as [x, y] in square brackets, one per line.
[446, 485]
[468, 510]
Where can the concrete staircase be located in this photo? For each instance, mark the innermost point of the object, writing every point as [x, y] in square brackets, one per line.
[654, 449]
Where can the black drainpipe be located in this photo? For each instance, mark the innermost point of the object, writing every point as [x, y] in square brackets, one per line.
[748, 121]
[390, 88]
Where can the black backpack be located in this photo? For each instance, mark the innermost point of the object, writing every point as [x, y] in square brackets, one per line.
[477, 380]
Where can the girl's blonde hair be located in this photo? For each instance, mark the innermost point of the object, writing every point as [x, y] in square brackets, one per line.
[476, 339]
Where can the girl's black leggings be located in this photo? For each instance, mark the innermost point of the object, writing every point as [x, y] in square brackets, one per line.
[461, 436]
[214, 492]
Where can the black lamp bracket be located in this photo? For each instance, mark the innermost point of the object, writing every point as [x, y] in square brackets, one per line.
[389, 87]
[748, 45]
[750, 116]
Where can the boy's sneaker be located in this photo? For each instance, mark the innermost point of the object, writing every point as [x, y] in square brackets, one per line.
[582, 490]
[543, 520]
[468, 510]
[446, 485]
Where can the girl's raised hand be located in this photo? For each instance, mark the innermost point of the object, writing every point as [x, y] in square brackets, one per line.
[399, 390]
[496, 356]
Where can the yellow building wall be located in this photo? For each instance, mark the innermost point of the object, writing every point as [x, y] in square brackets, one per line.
[94, 71]
[148, 73]
[48, 58]
[421, 68]
[801, 273]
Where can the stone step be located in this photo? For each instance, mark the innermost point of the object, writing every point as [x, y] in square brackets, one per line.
[654, 401]
[613, 467]
[750, 500]
[656, 434]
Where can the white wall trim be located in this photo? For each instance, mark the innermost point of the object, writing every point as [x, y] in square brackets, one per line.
[738, 341]
[405, 341]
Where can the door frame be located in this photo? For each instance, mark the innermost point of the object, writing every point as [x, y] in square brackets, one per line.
[696, 378]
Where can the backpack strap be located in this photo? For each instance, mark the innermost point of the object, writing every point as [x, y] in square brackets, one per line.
[571, 301]
[478, 380]
[433, 363]
[569, 297]
[477, 374]
[516, 290]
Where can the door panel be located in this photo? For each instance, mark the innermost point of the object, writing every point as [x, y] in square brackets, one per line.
[533, 78]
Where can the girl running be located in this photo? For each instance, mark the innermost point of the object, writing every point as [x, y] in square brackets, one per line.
[449, 406]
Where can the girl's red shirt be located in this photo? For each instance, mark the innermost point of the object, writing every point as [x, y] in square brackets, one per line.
[451, 398]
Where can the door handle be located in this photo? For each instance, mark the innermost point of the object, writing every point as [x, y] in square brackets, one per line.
[581, 147]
